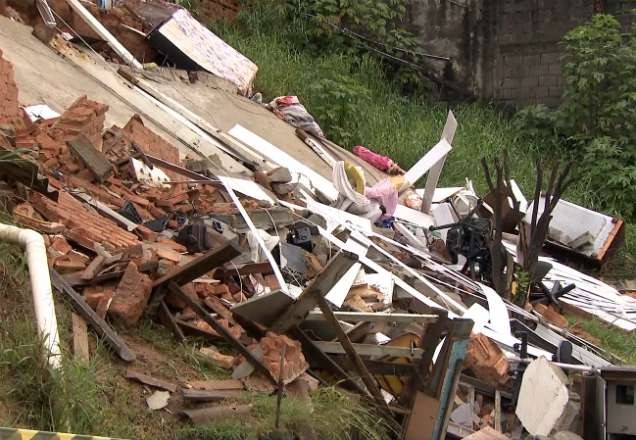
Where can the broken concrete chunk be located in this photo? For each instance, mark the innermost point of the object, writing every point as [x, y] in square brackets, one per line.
[543, 397]
[158, 400]
[131, 296]
[486, 360]
[283, 188]
[279, 175]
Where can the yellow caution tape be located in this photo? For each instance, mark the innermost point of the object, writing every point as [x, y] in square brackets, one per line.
[27, 434]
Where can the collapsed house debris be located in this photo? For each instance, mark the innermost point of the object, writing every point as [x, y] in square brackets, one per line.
[302, 264]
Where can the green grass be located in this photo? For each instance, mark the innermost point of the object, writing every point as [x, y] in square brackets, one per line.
[330, 413]
[614, 340]
[96, 399]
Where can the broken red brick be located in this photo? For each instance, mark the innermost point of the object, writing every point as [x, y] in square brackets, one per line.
[552, 315]
[24, 214]
[9, 108]
[82, 117]
[150, 142]
[58, 246]
[70, 262]
[131, 297]
[486, 360]
[294, 361]
[83, 226]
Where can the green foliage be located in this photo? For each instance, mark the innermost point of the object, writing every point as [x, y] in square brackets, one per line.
[337, 105]
[600, 75]
[330, 413]
[378, 20]
[613, 339]
[362, 27]
[596, 121]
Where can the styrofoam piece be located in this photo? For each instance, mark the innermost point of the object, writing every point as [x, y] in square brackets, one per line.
[151, 176]
[40, 112]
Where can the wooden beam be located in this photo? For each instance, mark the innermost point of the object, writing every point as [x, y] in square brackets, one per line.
[221, 330]
[80, 338]
[200, 265]
[319, 358]
[100, 326]
[369, 381]
[168, 319]
[319, 287]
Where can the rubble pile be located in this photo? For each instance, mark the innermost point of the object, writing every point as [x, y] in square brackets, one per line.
[416, 298]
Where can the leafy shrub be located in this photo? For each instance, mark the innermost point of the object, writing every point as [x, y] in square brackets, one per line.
[338, 104]
[596, 121]
[368, 26]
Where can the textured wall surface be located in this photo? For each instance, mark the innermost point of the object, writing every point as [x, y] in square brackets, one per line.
[505, 50]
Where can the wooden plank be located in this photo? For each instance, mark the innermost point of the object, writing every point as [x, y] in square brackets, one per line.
[319, 358]
[151, 381]
[216, 384]
[168, 319]
[347, 345]
[200, 265]
[211, 395]
[94, 159]
[428, 161]
[434, 173]
[93, 268]
[221, 330]
[80, 338]
[100, 326]
[319, 287]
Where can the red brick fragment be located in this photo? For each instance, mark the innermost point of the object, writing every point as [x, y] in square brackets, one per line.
[131, 297]
[294, 364]
[82, 117]
[9, 108]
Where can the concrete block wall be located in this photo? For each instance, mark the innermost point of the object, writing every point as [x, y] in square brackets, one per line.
[526, 61]
[507, 51]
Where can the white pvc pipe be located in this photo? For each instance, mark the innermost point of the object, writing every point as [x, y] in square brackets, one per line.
[41, 290]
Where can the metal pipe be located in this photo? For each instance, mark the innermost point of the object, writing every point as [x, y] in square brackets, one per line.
[33, 243]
